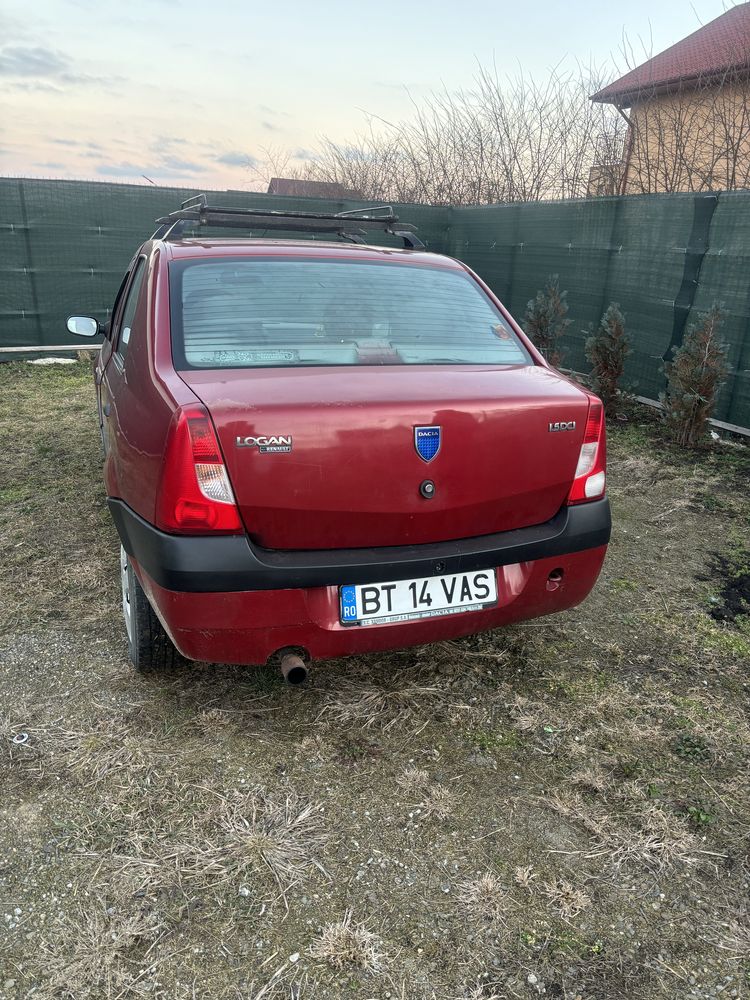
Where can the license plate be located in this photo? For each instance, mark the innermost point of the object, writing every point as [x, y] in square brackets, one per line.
[405, 600]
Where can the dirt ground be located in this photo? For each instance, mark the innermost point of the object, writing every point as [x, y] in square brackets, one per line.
[557, 809]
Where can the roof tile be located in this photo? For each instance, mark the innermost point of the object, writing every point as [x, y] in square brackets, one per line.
[719, 46]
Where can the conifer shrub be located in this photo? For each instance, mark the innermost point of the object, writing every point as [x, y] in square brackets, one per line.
[607, 349]
[546, 320]
[694, 376]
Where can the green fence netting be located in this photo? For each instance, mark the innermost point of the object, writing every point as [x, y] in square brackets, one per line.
[626, 250]
[664, 258]
[65, 245]
[725, 281]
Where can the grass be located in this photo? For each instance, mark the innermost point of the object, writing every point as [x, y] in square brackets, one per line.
[560, 806]
[347, 944]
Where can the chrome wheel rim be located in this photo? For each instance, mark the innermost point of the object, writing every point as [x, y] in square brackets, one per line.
[127, 609]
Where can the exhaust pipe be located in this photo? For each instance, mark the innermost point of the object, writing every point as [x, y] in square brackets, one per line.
[293, 669]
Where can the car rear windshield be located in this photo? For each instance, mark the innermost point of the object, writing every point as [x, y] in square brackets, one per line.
[267, 312]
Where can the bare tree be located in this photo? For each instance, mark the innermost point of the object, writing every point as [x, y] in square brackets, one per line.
[504, 139]
[509, 139]
[273, 162]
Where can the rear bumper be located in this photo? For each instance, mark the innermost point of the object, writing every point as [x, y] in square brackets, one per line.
[231, 563]
[250, 626]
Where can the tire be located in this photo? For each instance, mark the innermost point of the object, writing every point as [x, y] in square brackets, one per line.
[149, 647]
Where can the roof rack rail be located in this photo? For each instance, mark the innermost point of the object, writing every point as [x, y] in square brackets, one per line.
[351, 225]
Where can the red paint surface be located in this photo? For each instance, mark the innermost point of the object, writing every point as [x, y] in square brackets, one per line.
[249, 627]
[352, 478]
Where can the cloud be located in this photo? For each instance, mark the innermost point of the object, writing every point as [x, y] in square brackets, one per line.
[120, 170]
[273, 112]
[33, 61]
[181, 166]
[304, 154]
[77, 144]
[236, 159]
[51, 166]
[34, 86]
[129, 169]
[14, 27]
[270, 127]
[167, 145]
[35, 67]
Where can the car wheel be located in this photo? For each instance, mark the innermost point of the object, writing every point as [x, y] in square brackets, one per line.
[149, 647]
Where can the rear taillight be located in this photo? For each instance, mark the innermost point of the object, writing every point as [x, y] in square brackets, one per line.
[590, 478]
[195, 496]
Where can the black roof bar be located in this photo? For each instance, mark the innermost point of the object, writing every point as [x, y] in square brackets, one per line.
[351, 225]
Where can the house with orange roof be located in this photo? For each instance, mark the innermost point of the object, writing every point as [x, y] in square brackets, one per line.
[688, 115]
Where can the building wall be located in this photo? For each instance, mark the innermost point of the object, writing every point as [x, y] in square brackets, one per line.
[698, 140]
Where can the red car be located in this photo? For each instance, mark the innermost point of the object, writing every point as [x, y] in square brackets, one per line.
[320, 447]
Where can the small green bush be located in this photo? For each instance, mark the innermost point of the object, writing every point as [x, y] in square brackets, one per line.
[694, 377]
[692, 748]
[545, 319]
[607, 349]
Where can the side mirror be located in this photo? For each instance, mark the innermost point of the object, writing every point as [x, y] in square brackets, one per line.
[83, 326]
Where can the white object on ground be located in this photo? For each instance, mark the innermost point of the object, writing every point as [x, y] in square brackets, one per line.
[52, 361]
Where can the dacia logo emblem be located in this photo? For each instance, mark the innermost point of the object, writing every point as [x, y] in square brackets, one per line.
[427, 441]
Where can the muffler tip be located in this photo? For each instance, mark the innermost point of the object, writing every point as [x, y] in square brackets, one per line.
[293, 669]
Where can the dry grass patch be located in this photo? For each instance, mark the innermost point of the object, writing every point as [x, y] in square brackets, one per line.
[590, 779]
[634, 474]
[396, 701]
[524, 876]
[115, 752]
[250, 837]
[57, 495]
[569, 900]
[527, 715]
[280, 835]
[480, 991]
[414, 780]
[210, 721]
[649, 837]
[435, 801]
[485, 897]
[438, 803]
[734, 936]
[347, 944]
[99, 952]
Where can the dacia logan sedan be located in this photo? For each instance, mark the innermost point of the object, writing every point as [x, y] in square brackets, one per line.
[320, 447]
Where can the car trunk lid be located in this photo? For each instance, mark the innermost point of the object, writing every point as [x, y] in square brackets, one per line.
[326, 458]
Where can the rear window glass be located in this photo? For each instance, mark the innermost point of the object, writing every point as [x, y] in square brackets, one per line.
[260, 312]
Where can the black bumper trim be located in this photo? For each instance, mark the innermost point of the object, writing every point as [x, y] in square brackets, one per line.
[226, 563]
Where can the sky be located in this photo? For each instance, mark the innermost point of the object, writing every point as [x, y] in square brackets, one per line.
[198, 94]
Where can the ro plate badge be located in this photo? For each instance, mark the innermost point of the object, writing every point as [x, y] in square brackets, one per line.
[407, 600]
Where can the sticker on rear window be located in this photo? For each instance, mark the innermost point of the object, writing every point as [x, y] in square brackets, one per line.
[501, 332]
[249, 357]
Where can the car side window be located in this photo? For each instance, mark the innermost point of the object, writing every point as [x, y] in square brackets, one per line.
[129, 308]
[115, 311]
